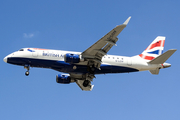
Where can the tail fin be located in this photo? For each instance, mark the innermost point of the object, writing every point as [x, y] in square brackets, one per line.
[154, 49]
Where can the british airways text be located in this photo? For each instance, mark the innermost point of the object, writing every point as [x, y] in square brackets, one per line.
[52, 55]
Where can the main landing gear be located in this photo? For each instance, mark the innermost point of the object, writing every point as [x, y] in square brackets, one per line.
[90, 75]
[27, 67]
[88, 79]
[91, 69]
[86, 83]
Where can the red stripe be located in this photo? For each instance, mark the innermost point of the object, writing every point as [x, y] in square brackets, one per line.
[148, 57]
[157, 44]
[162, 65]
[140, 55]
[163, 43]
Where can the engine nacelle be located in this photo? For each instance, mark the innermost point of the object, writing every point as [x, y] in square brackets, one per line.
[64, 79]
[71, 58]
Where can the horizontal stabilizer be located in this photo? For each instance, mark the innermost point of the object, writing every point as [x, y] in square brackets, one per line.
[162, 58]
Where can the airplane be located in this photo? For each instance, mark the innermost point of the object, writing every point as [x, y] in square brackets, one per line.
[81, 67]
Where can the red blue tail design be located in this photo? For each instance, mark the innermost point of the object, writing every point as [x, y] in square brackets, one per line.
[154, 49]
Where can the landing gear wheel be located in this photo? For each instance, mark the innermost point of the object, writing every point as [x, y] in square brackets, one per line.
[27, 73]
[86, 83]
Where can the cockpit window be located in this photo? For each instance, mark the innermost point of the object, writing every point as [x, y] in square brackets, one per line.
[21, 50]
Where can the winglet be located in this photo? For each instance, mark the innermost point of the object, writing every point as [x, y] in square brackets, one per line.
[126, 22]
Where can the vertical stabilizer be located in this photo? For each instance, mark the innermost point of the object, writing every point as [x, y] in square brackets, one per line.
[154, 49]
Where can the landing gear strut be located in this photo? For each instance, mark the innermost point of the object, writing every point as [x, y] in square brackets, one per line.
[27, 67]
[91, 69]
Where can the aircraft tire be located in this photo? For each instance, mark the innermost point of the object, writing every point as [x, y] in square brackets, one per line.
[27, 73]
[86, 83]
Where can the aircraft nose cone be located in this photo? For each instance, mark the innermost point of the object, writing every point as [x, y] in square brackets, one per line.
[5, 59]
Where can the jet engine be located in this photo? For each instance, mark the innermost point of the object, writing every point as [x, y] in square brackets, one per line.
[64, 79]
[72, 58]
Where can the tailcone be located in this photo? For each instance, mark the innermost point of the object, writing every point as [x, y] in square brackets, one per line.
[166, 65]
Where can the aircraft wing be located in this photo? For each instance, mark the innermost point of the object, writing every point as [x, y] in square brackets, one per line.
[95, 53]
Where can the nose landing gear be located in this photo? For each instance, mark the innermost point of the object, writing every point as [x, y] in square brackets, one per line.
[27, 73]
[27, 67]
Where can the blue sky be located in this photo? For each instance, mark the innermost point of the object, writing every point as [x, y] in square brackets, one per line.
[76, 25]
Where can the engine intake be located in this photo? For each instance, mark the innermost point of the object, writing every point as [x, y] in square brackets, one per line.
[71, 58]
[64, 79]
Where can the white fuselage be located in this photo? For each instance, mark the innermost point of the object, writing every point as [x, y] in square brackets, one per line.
[54, 59]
